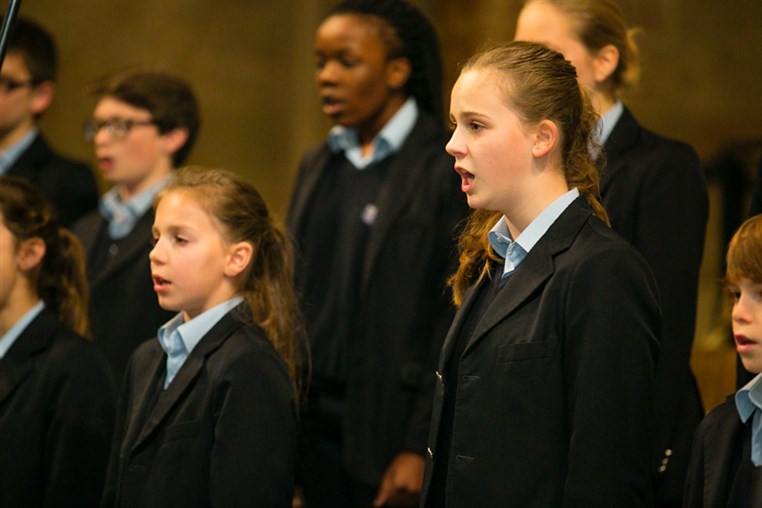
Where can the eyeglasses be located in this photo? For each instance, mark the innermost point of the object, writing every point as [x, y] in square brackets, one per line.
[117, 128]
[9, 84]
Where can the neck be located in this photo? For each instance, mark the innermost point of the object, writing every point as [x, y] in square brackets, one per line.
[602, 101]
[128, 191]
[19, 302]
[15, 134]
[370, 128]
[520, 216]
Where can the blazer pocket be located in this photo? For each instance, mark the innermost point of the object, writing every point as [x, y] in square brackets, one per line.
[526, 351]
[183, 430]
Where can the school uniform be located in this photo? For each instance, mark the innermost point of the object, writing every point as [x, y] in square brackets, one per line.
[377, 327]
[721, 472]
[68, 184]
[654, 192]
[550, 394]
[221, 433]
[124, 310]
[57, 410]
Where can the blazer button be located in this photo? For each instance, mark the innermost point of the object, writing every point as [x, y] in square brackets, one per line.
[439, 377]
[430, 453]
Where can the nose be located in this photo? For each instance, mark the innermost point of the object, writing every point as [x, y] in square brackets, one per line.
[101, 137]
[741, 314]
[327, 73]
[156, 255]
[455, 146]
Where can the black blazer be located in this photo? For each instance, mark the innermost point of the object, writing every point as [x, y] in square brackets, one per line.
[403, 306]
[555, 386]
[654, 191]
[124, 310]
[68, 184]
[718, 438]
[57, 409]
[222, 434]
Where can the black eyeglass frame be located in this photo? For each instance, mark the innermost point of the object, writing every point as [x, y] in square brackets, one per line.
[117, 128]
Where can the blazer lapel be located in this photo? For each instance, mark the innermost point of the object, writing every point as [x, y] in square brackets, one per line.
[717, 467]
[30, 159]
[187, 374]
[134, 245]
[457, 323]
[537, 267]
[399, 187]
[304, 191]
[624, 136]
[17, 363]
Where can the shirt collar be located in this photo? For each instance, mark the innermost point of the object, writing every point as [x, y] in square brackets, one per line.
[9, 338]
[388, 141]
[11, 155]
[749, 398]
[608, 121]
[191, 332]
[122, 216]
[500, 237]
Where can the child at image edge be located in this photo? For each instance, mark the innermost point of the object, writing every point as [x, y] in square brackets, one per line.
[208, 410]
[724, 469]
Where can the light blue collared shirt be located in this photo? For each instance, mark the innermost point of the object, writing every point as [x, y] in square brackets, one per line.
[608, 121]
[11, 155]
[122, 217]
[388, 141]
[7, 340]
[514, 251]
[749, 404]
[178, 339]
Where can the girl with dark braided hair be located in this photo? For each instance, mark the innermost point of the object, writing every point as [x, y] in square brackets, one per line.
[373, 213]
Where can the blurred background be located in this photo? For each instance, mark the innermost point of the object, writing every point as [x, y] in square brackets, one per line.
[251, 65]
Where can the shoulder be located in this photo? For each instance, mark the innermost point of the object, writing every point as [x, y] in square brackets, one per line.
[245, 352]
[88, 224]
[72, 356]
[720, 417]
[600, 254]
[658, 149]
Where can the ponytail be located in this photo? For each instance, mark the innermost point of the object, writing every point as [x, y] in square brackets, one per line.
[59, 280]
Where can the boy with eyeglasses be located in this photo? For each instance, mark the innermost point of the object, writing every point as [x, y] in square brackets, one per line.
[143, 127]
[27, 86]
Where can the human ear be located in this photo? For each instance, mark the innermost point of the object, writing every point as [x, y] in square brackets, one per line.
[545, 138]
[239, 257]
[42, 96]
[30, 254]
[398, 72]
[605, 63]
[174, 140]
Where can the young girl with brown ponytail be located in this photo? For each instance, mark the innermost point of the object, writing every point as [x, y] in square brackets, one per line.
[545, 380]
[208, 416]
[56, 391]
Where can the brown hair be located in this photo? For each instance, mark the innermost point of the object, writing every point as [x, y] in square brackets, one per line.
[268, 281]
[598, 23]
[168, 98]
[744, 257]
[537, 83]
[59, 280]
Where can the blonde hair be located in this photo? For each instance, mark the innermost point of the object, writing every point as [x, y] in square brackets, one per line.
[268, 280]
[537, 83]
[599, 23]
[744, 257]
[60, 279]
